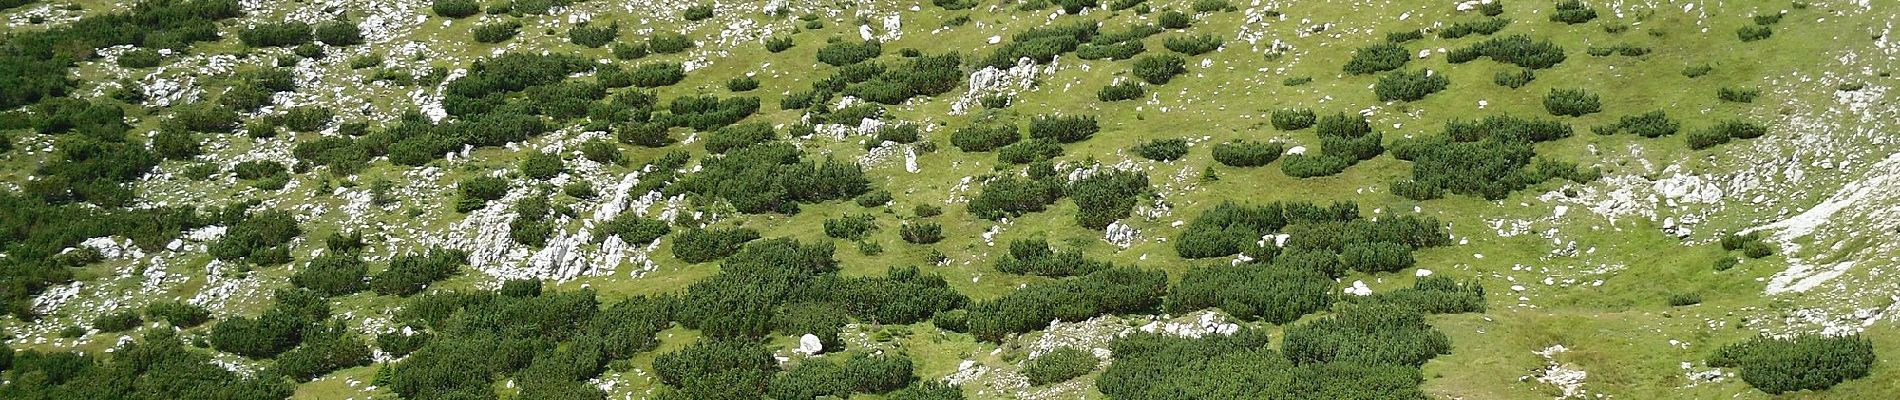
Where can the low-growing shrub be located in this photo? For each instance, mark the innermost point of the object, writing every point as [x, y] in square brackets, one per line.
[846, 52]
[1754, 33]
[1176, 20]
[1514, 79]
[1159, 69]
[1409, 86]
[1571, 102]
[668, 42]
[1062, 363]
[455, 8]
[1192, 45]
[1737, 95]
[1162, 149]
[1293, 119]
[1573, 12]
[778, 44]
[921, 232]
[497, 32]
[590, 36]
[1128, 90]
[1378, 57]
[983, 137]
[1247, 153]
[1804, 362]
[698, 12]
[1063, 129]
[1480, 27]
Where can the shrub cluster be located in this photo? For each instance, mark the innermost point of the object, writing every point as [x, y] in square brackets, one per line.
[1571, 102]
[1293, 119]
[845, 53]
[1431, 295]
[409, 274]
[1192, 45]
[1490, 158]
[1159, 69]
[1409, 85]
[280, 34]
[1042, 44]
[1247, 153]
[1514, 79]
[1113, 290]
[1128, 90]
[1805, 362]
[982, 137]
[1036, 257]
[1162, 149]
[1378, 57]
[668, 42]
[702, 245]
[1485, 26]
[1517, 50]
[1063, 129]
[774, 177]
[1573, 12]
[1060, 364]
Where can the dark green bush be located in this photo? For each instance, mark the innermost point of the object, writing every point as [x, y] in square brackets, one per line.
[1409, 86]
[1162, 149]
[736, 136]
[1175, 20]
[657, 74]
[1247, 153]
[921, 232]
[593, 36]
[741, 84]
[1036, 257]
[339, 33]
[1404, 36]
[1805, 362]
[409, 274]
[1159, 69]
[1514, 79]
[455, 8]
[1115, 290]
[1737, 95]
[1405, 337]
[1293, 119]
[178, 314]
[282, 34]
[778, 44]
[1110, 51]
[476, 192]
[1573, 12]
[846, 53]
[668, 43]
[139, 58]
[497, 32]
[1060, 364]
[1192, 45]
[1431, 295]
[333, 274]
[1571, 102]
[1063, 129]
[1128, 90]
[702, 245]
[1378, 57]
[982, 137]
[118, 322]
[1517, 50]
[698, 12]
[1480, 27]
[850, 227]
[1754, 33]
